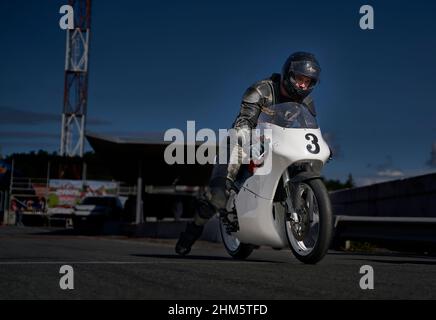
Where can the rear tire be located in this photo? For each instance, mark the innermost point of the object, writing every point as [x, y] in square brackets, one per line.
[235, 248]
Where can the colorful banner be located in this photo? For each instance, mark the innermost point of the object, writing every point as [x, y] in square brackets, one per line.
[63, 195]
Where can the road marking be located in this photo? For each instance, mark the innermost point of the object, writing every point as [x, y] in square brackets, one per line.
[124, 262]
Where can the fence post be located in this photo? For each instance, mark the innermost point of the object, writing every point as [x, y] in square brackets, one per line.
[6, 218]
[5, 207]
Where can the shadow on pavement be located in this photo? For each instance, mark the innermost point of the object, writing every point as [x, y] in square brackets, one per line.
[384, 254]
[63, 232]
[72, 232]
[197, 257]
[421, 262]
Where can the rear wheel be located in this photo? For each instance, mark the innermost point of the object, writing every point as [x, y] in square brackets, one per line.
[309, 227]
[234, 247]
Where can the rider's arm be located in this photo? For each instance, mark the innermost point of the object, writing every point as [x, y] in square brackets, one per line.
[252, 101]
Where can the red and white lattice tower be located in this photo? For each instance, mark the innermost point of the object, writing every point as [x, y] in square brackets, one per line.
[76, 80]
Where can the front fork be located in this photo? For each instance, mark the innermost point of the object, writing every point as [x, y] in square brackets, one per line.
[288, 186]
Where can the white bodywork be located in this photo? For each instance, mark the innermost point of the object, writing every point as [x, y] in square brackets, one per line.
[258, 223]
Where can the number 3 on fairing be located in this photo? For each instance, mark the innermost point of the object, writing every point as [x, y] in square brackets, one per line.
[314, 143]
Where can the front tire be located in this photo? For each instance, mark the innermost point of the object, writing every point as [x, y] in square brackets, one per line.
[234, 247]
[310, 238]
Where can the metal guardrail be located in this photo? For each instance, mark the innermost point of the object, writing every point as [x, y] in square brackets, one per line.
[399, 211]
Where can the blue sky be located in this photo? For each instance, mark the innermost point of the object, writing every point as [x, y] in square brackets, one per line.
[155, 65]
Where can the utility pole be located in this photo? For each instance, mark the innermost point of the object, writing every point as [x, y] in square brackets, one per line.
[76, 80]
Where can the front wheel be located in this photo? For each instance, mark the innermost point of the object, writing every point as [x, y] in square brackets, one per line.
[235, 248]
[309, 227]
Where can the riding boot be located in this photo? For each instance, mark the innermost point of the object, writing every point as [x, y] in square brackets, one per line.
[188, 238]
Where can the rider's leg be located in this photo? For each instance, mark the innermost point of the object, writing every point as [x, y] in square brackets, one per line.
[207, 206]
[215, 199]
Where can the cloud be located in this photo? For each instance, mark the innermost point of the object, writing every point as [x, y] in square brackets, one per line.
[28, 144]
[135, 134]
[24, 117]
[12, 116]
[387, 169]
[8, 135]
[390, 176]
[390, 173]
[379, 178]
[432, 161]
[98, 122]
[366, 181]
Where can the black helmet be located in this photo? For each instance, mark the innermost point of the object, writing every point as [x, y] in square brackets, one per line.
[300, 63]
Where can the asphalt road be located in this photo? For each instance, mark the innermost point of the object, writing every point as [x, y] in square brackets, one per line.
[112, 267]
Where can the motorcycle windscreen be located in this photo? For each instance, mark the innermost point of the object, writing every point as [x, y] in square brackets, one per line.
[288, 115]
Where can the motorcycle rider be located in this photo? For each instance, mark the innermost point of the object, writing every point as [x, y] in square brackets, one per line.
[300, 74]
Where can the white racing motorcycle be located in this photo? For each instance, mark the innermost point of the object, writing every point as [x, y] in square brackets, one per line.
[283, 203]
